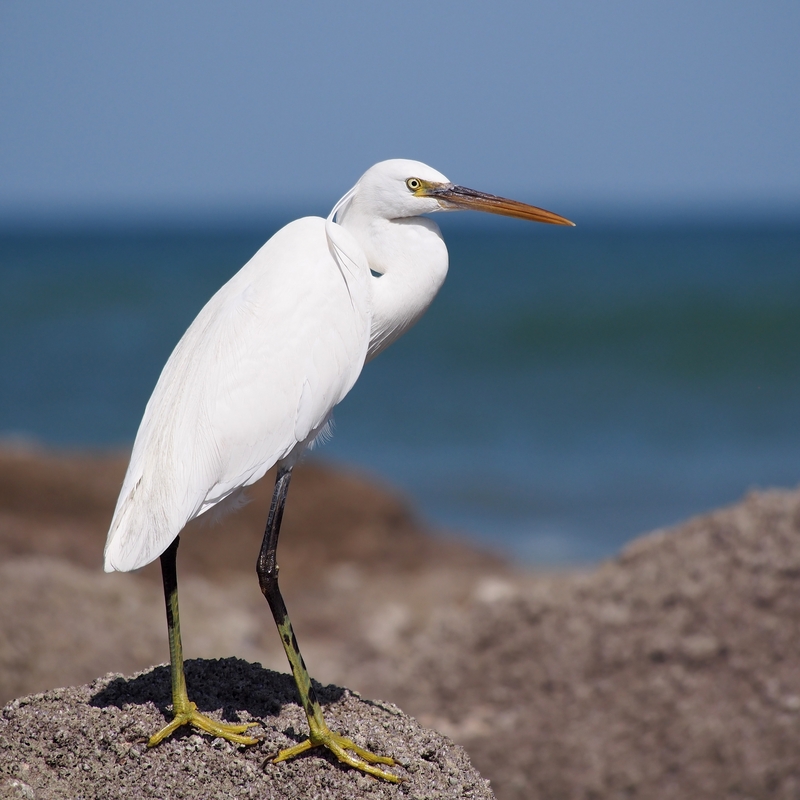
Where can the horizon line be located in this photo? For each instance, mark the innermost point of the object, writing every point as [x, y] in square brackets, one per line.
[219, 217]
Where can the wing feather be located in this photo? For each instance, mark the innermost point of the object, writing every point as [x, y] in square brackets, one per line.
[254, 377]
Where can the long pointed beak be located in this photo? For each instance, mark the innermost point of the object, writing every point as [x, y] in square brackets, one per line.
[459, 197]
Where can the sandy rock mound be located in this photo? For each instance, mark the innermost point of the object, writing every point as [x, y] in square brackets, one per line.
[672, 672]
[89, 742]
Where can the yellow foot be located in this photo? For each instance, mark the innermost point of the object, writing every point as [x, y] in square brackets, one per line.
[339, 746]
[191, 716]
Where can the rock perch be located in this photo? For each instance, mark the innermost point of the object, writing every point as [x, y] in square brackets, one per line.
[89, 742]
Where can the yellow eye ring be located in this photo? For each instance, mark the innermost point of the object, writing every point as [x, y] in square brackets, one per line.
[414, 184]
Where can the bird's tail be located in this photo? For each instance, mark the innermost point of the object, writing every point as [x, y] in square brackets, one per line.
[138, 534]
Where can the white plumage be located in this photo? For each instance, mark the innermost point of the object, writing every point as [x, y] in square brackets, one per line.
[257, 374]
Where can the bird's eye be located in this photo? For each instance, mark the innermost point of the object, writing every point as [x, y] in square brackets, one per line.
[414, 184]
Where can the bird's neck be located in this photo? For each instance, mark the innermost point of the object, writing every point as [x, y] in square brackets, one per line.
[408, 259]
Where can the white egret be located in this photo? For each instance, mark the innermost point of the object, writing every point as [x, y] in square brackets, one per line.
[254, 380]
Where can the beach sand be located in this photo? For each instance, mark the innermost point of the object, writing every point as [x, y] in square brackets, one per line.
[672, 671]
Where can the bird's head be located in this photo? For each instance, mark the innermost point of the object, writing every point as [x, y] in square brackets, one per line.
[401, 188]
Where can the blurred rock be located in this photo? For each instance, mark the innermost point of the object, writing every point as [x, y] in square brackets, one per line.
[670, 672]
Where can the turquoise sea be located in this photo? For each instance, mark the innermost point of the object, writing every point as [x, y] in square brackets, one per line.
[568, 389]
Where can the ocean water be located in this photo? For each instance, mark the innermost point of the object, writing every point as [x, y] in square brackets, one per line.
[568, 389]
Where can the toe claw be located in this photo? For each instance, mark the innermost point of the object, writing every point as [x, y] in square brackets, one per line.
[339, 746]
[222, 730]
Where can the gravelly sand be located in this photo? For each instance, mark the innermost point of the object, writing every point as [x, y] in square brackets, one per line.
[89, 742]
[670, 672]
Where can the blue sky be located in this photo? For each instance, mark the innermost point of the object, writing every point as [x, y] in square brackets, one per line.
[197, 107]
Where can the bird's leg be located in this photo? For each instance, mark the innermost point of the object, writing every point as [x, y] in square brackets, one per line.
[184, 710]
[320, 734]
